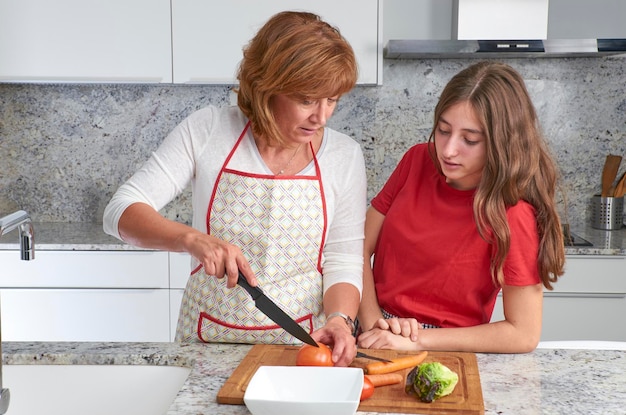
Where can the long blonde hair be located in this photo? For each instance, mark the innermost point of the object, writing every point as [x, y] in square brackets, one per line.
[297, 54]
[519, 165]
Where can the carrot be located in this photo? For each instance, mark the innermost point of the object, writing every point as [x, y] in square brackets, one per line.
[385, 379]
[400, 363]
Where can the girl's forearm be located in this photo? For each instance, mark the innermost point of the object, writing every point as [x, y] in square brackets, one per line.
[497, 337]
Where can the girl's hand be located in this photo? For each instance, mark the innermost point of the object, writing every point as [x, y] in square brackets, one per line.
[405, 327]
[385, 339]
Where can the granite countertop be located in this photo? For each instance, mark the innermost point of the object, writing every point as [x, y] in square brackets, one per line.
[51, 236]
[546, 381]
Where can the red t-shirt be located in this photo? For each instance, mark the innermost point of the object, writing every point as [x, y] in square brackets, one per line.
[430, 262]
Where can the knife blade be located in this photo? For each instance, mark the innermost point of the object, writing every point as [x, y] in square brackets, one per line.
[367, 356]
[275, 313]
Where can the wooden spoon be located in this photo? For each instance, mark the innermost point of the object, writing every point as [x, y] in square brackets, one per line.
[611, 166]
[620, 187]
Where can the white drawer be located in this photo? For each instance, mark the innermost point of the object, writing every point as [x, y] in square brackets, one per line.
[130, 315]
[180, 268]
[86, 269]
[593, 274]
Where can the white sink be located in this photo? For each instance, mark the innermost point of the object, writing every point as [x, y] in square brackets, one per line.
[92, 389]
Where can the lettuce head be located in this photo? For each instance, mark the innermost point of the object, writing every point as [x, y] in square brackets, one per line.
[430, 381]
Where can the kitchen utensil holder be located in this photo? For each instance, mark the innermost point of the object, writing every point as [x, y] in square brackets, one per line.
[607, 212]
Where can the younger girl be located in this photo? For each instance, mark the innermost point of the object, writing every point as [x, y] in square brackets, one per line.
[468, 214]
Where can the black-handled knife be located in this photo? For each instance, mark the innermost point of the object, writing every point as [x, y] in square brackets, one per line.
[367, 356]
[270, 309]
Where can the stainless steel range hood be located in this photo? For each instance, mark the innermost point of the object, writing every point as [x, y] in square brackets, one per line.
[519, 29]
[484, 49]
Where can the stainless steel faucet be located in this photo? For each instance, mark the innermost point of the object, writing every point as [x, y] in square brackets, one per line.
[21, 221]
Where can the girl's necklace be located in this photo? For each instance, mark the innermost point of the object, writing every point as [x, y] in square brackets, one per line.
[282, 171]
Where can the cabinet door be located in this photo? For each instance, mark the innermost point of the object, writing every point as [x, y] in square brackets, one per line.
[208, 36]
[585, 302]
[85, 315]
[176, 299]
[585, 19]
[180, 268]
[85, 41]
[85, 296]
[584, 317]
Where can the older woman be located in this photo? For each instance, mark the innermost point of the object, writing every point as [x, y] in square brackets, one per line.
[276, 195]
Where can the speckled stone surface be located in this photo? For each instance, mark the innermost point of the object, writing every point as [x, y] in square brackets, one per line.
[59, 236]
[71, 236]
[542, 382]
[64, 149]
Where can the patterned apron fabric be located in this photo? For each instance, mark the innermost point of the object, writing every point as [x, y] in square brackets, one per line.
[279, 224]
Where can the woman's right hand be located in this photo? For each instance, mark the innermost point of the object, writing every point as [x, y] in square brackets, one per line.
[142, 225]
[219, 258]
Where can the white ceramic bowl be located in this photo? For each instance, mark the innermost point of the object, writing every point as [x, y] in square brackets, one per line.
[304, 390]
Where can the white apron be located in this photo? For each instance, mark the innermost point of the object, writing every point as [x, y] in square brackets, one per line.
[279, 222]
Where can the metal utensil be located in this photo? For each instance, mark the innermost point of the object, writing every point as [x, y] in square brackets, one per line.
[274, 312]
[611, 166]
[366, 356]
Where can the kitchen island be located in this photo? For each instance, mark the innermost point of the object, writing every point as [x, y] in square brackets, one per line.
[546, 381]
[83, 274]
[542, 382]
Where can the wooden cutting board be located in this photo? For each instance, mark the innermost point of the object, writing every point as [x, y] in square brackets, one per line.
[467, 397]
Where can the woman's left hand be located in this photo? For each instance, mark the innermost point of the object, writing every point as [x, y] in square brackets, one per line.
[337, 335]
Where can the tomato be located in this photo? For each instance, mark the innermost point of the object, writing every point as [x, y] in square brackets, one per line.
[368, 388]
[314, 356]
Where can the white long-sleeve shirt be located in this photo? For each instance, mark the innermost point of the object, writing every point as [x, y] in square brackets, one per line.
[195, 152]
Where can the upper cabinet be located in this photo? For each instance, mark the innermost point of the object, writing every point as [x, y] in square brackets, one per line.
[567, 19]
[140, 41]
[586, 19]
[85, 41]
[208, 36]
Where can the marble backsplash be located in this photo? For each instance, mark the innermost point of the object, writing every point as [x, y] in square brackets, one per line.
[64, 149]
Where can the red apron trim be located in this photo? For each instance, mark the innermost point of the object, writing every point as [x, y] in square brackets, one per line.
[317, 177]
[269, 176]
[324, 211]
[205, 316]
[219, 176]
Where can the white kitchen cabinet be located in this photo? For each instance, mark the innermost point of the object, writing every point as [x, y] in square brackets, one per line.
[180, 268]
[587, 301]
[85, 296]
[85, 269]
[208, 36]
[131, 41]
[417, 19]
[63, 314]
[586, 19]
[85, 41]
[567, 19]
